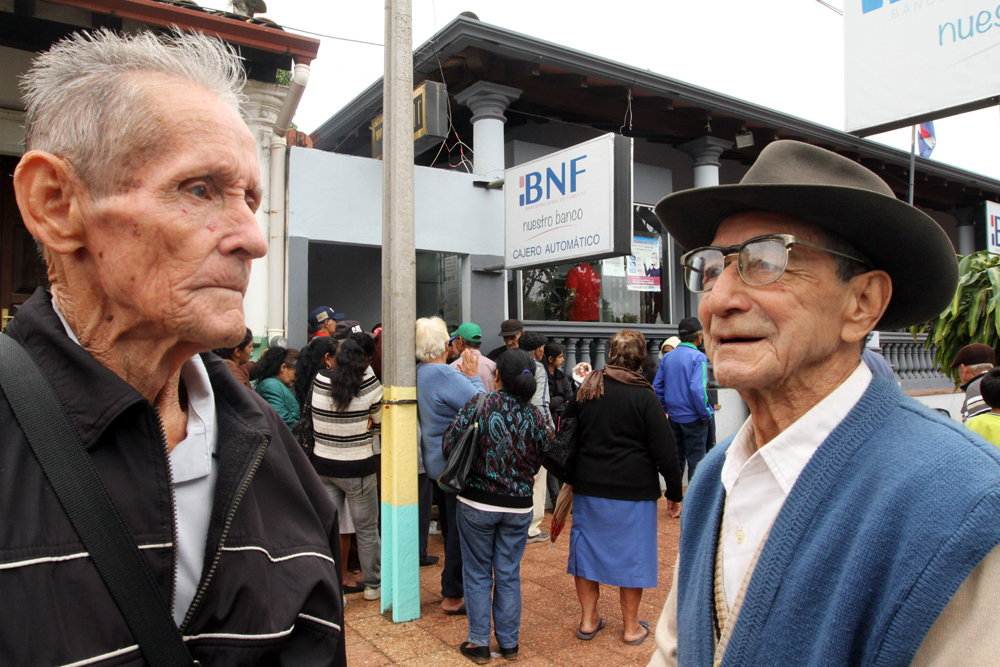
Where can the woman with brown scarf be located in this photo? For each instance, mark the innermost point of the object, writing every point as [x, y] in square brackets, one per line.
[623, 441]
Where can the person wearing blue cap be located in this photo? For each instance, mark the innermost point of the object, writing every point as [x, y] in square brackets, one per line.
[323, 321]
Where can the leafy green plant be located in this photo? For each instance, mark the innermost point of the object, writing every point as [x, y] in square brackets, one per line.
[973, 315]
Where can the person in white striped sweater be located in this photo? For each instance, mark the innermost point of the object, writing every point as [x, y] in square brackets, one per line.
[346, 411]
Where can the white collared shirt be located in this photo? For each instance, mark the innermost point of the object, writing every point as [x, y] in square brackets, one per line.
[757, 481]
[193, 472]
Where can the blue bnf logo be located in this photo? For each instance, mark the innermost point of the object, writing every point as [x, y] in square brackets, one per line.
[532, 183]
[872, 5]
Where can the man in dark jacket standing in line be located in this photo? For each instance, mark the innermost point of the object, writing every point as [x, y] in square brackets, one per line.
[681, 384]
[140, 183]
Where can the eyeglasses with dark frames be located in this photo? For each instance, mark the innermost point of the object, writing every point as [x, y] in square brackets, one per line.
[759, 261]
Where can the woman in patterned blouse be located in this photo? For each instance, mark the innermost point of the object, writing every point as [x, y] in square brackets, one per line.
[495, 508]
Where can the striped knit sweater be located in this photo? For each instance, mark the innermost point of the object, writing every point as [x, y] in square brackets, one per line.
[343, 439]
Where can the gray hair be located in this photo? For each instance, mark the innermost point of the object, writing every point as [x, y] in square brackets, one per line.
[980, 368]
[85, 97]
[432, 338]
[846, 268]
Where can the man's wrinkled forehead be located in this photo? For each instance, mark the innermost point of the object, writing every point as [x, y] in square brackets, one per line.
[750, 224]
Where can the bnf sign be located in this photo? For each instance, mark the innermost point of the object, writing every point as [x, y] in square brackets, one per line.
[570, 205]
[992, 227]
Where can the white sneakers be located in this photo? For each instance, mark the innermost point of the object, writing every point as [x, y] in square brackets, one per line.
[373, 593]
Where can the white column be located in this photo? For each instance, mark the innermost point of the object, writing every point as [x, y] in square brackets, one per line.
[706, 151]
[488, 102]
[262, 105]
[966, 239]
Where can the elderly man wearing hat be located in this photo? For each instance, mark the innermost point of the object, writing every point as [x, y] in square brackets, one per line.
[510, 331]
[844, 523]
[973, 362]
[469, 337]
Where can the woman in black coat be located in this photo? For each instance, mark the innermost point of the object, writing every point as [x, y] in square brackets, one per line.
[623, 442]
[562, 389]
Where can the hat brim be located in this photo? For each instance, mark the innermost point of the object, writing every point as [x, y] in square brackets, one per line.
[900, 239]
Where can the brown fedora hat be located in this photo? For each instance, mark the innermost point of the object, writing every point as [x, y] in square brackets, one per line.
[839, 195]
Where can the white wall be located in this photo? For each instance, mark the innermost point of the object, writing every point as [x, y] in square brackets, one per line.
[951, 402]
[338, 198]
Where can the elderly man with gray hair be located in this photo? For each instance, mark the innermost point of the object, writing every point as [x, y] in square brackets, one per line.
[152, 510]
[844, 523]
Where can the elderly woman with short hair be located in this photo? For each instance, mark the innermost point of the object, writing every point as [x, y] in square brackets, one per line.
[442, 390]
[624, 440]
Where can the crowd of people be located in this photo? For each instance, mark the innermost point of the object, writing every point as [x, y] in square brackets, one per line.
[156, 504]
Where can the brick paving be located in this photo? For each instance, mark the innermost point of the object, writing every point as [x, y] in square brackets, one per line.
[550, 615]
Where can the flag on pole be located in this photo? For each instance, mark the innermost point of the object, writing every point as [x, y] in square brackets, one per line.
[926, 139]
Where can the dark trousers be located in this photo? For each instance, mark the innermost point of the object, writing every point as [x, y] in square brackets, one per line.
[692, 440]
[451, 575]
[425, 496]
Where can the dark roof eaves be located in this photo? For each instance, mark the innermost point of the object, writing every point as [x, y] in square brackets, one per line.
[463, 32]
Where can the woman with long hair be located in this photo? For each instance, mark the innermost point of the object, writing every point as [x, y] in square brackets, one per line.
[495, 508]
[623, 442]
[346, 404]
[320, 353]
[275, 375]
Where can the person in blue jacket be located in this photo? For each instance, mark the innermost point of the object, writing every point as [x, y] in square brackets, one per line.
[681, 384]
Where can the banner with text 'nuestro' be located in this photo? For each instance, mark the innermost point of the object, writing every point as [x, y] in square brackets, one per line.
[571, 205]
[907, 61]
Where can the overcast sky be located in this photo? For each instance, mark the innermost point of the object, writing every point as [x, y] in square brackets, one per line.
[784, 54]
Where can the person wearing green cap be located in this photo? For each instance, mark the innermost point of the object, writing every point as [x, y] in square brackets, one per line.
[469, 337]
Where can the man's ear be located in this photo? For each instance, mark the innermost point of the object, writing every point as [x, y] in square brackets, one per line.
[50, 196]
[869, 297]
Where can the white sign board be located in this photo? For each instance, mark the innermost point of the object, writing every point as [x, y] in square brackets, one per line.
[569, 205]
[993, 227]
[909, 61]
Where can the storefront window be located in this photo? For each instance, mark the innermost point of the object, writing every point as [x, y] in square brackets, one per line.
[626, 290]
[439, 287]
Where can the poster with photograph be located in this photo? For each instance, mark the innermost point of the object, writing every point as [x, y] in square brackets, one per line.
[644, 266]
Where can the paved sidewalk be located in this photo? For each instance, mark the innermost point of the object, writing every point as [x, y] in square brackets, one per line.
[549, 617]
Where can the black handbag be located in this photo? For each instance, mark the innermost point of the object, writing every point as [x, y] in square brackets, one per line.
[303, 429]
[559, 456]
[456, 468]
[90, 508]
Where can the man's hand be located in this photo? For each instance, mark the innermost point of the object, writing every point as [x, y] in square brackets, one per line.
[674, 509]
[470, 363]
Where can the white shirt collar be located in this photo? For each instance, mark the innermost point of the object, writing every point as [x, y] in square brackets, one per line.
[192, 457]
[787, 454]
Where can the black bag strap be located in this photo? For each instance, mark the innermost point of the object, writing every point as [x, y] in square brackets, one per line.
[93, 513]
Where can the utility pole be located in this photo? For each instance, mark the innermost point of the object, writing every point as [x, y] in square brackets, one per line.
[913, 161]
[400, 550]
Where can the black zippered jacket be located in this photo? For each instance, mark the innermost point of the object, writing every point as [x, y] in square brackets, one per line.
[270, 592]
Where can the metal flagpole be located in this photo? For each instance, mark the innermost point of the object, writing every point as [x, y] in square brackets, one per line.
[913, 158]
[400, 550]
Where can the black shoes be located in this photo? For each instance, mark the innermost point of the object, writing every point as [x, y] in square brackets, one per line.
[429, 560]
[509, 653]
[477, 654]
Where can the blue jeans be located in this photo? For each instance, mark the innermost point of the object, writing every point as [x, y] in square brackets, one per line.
[363, 494]
[692, 443]
[492, 546]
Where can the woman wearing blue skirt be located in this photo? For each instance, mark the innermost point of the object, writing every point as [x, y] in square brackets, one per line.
[624, 440]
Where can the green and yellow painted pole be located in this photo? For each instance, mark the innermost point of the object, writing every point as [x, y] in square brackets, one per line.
[400, 550]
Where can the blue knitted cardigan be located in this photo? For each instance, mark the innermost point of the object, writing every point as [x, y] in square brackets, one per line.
[888, 518]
